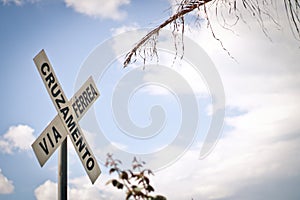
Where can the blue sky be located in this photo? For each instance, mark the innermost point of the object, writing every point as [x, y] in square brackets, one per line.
[257, 156]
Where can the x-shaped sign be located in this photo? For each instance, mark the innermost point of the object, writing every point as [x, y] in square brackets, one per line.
[66, 122]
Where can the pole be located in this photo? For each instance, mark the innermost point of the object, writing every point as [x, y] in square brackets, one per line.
[63, 171]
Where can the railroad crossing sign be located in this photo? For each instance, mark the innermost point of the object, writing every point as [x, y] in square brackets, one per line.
[66, 122]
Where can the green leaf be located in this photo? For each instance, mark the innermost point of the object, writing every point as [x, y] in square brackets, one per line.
[120, 185]
[159, 197]
[149, 172]
[117, 184]
[150, 188]
[112, 170]
[146, 179]
[128, 195]
[124, 175]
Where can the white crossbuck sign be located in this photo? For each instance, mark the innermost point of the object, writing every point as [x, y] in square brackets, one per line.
[66, 122]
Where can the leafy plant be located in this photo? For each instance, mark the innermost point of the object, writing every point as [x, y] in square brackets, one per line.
[134, 181]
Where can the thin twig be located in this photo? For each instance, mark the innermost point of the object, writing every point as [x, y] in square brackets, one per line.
[187, 9]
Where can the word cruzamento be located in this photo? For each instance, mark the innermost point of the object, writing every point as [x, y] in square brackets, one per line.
[66, 122]
[61, 103]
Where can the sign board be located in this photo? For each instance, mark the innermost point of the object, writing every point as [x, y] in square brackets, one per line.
[54, 134]
[66, 122]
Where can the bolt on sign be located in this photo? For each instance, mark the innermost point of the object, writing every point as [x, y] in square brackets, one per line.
[66, 121]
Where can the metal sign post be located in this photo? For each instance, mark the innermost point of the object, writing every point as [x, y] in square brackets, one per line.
[63, 171]
[65, 123]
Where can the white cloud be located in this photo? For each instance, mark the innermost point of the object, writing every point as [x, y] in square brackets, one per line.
[261, 150]
[80, 188]
[99, 8]
[18, 2]
[17, 138]
[186, 72]
[123, 29]
[46, 191]
[5, 147]
[6, 186]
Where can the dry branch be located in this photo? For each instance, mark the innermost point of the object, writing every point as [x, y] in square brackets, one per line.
[188, 7]
[259, 9]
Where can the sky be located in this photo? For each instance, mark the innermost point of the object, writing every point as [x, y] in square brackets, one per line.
[256, 155]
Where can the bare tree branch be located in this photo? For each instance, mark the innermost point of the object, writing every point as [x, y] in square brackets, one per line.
[261, 10]
[186, 7]
[293, 10]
